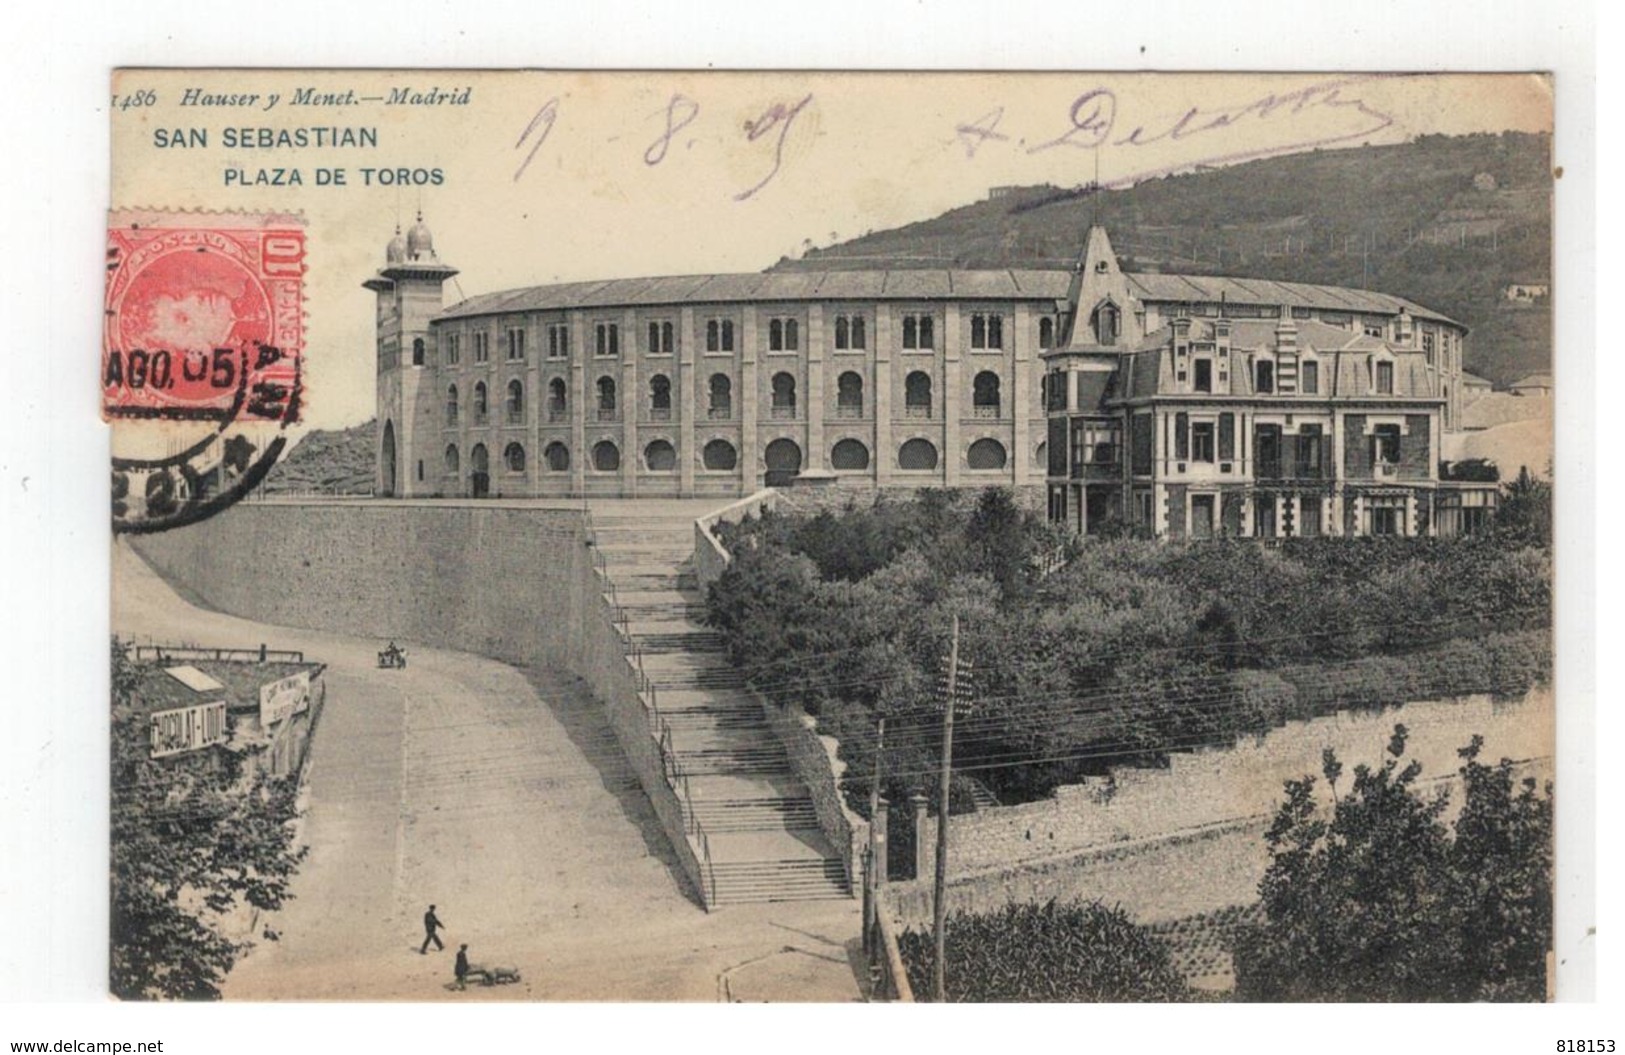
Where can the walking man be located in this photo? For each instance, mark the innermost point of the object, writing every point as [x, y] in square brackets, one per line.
[461, 969]
[431, 923]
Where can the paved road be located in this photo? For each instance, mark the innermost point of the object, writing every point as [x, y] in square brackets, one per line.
[500, 796]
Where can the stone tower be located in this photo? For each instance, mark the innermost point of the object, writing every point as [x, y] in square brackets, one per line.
[410, 293]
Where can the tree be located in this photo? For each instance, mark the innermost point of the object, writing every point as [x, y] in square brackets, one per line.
[1526, 510]
[1383, 901]
[194, 839]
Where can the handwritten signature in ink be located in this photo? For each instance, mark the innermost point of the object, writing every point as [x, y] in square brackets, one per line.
[1093, 119]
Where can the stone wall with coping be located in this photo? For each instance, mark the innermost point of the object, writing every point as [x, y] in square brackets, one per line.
[814, 760]
[1156, 880]
[710, 558]
[1219, 784]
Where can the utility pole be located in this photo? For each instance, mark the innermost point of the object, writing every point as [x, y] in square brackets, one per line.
[939, 977]
[871, 908]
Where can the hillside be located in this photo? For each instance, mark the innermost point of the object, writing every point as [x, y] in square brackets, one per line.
[1447, 221]
[327, 461]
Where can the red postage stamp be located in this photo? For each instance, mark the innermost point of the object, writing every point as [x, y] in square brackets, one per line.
[204, 316]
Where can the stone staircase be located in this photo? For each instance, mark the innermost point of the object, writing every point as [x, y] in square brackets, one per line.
[758, 838]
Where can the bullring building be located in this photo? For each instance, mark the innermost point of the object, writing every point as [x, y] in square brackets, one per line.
[1189, 406]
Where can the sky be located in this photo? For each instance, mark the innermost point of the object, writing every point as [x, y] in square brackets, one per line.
[536, 177]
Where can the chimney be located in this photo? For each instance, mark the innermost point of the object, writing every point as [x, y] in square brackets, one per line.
[1286, 331]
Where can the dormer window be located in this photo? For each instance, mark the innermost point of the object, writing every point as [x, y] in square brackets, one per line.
[1106, 321]
[1204, 375]
[1385, 378]
[1309, 377]
[1264, 377]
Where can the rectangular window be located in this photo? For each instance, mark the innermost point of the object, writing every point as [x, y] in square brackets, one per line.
[1143, 439]
[482, 347]
[516, 344]
[1227, 437]
[1306, 461]
[558, 341]
[1204, 375]
[1385, 378]
[1182, 437]
[1385, 445]
[454, 350]
[1201, 516]
[1309, 515]
[608, 335]
[1309, 377]
[1427, 345]
[1374, 329]
[1202, 441]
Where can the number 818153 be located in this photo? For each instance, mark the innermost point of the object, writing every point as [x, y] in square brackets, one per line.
[1585, 1047]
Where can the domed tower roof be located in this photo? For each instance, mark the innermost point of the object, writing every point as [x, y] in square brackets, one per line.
[419, 242]
[395, 252]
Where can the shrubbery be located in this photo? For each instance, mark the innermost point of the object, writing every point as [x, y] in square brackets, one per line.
[1050, 952]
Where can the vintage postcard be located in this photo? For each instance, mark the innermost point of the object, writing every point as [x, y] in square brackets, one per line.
[820, 536]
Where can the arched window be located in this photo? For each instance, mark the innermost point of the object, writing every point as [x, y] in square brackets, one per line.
[516, 402]
[1041, 456]
[513, 456]
[719, 456]
[849, 395]
[917, 394]
[849, 456]
[986, 454]
[417, 351]
[911, 331]
[985, 394]
[660, 456]
[843, 332]
[1046, 333]
[451, 406]
[660, 398]
[557, 457]
[775, 335]
[712, 341]
[978, 331]
[667, 345]
[784, 396]
[859, 338]
[721, 392]
[606, 399]
[792, 336]
[1107, 322]
[558, 402]
[481, 406]
[453, 462]
[606, 457]
[917, 454]
[478, 459]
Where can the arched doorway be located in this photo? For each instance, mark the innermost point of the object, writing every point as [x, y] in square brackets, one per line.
[480, 463]
[783, 458]
[386, 462]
